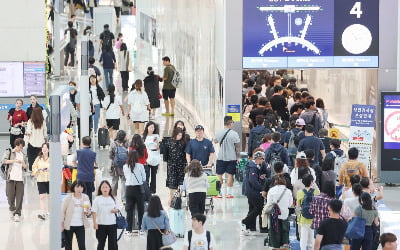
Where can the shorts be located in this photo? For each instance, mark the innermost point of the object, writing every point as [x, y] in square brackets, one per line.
[168, 93]
[114, 123]
[226, 167]
[43, 187]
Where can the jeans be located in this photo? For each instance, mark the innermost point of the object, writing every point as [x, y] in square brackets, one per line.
[332, 247]
[96, 117]
[80, 237]
[365, 242]
[108, 77]
[255, 209]
[89, 189]
[151, 170]
[125, 79]
[197, 203]
[91, 11]
[134, 196]
[306, 237]
[104, 232]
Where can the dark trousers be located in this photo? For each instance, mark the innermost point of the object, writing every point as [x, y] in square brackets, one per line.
[255, 209]
[125, 79]
[117, 11]
[32, 153]
[134, 196]
[13, 137]
[67, 52]
[80, 237]
[154, 240]
[104, 232]
[151, 177]
[197, 202]
[365, 242]
[89, 189]
[91, 12]
[15, 195]
[78, 121]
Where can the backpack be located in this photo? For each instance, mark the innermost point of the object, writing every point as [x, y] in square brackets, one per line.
[208, 235]
[349, 172]
[4, 167]
[293, 142]
[121, 155]
[275, 157]
[107, 40]
[258, 137]
[176, 79]
[339, 161]
[305, 206]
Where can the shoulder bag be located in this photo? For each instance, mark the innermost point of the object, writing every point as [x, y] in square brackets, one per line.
[168, 237]
[356, 227]
[223, 138]
[144, 189]
[270, 208]
[121, 223]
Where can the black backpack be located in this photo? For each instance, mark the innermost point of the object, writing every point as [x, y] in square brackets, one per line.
[208, 235]
[275, 157]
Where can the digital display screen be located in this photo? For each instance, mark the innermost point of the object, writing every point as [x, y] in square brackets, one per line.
[11, 79]
[310, 33]
[22, 79]
[391, 121]
[34, 78]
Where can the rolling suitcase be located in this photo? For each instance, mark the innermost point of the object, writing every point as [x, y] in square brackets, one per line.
[177, 221]
[103, 137]
[215, 185]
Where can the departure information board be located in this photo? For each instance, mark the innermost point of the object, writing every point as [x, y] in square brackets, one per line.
[310, 33]
[34, 78]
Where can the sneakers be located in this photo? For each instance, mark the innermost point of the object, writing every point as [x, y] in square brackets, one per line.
[42, 216]
[165, 114]
[218, 196]
[128, 233]
[12, 214]
[245, 232]
[228, 196]
[17, 218]
[171, 114]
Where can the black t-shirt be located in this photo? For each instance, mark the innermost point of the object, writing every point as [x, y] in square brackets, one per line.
[257, 111]
[332, 236]
[278, 103]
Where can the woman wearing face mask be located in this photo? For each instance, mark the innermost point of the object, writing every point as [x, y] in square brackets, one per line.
[72, 93]
[18, 119]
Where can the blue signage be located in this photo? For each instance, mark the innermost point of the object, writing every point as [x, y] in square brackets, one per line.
[233, 108]
[311, 33]
[363, 115]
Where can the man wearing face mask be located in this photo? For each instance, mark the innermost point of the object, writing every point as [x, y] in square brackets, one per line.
[252, 187]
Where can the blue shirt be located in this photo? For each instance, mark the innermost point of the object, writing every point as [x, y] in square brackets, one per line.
[86, 159]
[200, 150]
[137, 177]
[161, 222]
[311, 142]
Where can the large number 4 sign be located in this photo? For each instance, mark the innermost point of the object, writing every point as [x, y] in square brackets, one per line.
[356, 10]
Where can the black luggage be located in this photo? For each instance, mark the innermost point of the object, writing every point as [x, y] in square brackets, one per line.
[103, 137]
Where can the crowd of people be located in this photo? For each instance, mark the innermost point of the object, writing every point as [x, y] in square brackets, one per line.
[301, 172]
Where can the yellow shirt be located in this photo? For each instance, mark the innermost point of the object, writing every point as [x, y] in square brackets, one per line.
[300, 198]
[40, 169]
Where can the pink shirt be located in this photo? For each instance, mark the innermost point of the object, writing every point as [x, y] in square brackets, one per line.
[265, 146]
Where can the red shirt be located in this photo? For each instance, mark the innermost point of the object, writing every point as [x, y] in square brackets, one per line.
[18, 116]
[141, 160]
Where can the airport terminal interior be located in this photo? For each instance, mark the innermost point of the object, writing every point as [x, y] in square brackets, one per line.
[219, 47]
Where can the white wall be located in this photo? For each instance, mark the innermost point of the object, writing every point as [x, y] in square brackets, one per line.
[22, 28]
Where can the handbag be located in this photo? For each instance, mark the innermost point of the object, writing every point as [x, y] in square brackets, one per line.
[176, 202]
[159, 95]
[356, 227]
[15, 130]
[121, 223]
[168, 237]
[144, 189]
[269, 209]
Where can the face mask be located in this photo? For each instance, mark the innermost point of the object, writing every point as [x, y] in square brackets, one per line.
[71, 88]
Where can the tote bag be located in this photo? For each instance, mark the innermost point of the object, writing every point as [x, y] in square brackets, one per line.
[356, 227]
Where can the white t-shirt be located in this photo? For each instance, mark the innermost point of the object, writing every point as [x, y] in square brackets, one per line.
[93, 89]
[199, 241]
[102, 207]
[149, 142]
[352, 204]
[114, 111]
[16, 173]
[77, 219]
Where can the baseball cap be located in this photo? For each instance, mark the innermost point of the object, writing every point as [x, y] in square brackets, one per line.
[258, 154]
[199, 127]
[300, 122]
[301, 155]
